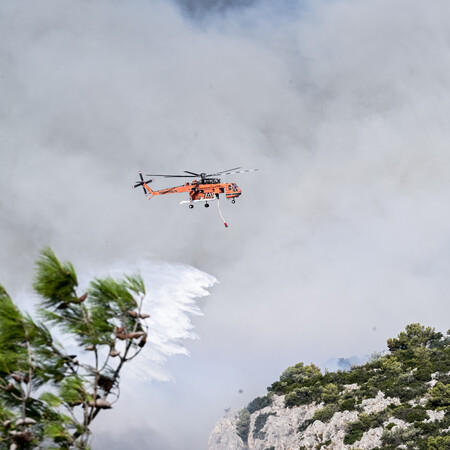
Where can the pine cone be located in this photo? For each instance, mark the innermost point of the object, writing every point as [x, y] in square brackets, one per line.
[137, 334]
[101, 403]
[26, 421]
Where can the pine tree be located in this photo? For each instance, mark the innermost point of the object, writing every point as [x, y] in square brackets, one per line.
[49, 397]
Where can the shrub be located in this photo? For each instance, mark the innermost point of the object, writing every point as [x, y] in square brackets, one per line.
[391, 366]
[440, 394]
[415, 335]
[300, 373]
[301, 396]
[439, 443]
[365, 422]
[444, 378]
[259, 403]
[416, 414]
[259, 425]
[243, 424]
[330, 393]
[304, 425]
[354, 433]
[401, 436]
[326, 413]
[348, 404]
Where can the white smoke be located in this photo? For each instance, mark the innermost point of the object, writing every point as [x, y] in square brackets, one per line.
[342, 105]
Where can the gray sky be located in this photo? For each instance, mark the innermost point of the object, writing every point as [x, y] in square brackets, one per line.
[339, 240]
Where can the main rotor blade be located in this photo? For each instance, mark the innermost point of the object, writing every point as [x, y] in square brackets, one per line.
[237, 171]
[226, 172]
[193, 173]
[169, 176]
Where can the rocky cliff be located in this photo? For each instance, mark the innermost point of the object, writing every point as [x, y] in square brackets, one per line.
[398, 400]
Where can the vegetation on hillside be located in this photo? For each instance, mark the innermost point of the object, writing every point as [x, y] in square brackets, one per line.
[48, 396]
[415, 374]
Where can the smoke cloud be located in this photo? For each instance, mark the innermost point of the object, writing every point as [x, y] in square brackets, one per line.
[338, 241]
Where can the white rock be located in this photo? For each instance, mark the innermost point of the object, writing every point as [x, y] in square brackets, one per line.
[398, 423]
[350, 387]
[379, 403]
[434, 415]
[281, 428]
[224, 436]
[370, 439]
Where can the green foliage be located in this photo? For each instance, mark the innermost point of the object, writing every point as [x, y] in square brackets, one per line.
[440, 395]
[409, 413]
[439, 443]
[13, 327]
[301, 373]
[304, 425]
[416, 414]
[71, 390]
[260, 421]
[401, 436]
[365, 422]
[50, 399]
[415, 335]
[55, 282]
[354, 433]
[330, 393]
[259, 403]
[302, 384]
[296, 377]
[243, 424]
[106, 320]
[326, 413]
[391, 365]
[300, 396]
[347, 404]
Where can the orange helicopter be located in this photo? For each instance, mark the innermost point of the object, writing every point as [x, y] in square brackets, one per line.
[207, 187]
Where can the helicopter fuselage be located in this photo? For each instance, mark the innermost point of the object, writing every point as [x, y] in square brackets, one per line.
[208, 189]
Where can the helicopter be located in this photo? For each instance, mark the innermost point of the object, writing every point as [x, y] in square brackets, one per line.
[205, 188]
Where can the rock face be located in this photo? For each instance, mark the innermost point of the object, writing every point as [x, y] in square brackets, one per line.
[279, 428]
[399, 399]
[224, 435]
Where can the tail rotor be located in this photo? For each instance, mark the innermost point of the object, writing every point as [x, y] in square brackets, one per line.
[142, 182]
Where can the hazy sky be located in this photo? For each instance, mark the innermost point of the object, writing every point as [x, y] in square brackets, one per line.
[338, 241]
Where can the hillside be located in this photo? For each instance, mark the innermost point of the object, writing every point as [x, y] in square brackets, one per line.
[397, 400]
